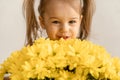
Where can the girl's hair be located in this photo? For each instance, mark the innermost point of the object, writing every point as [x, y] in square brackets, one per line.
[32, 34]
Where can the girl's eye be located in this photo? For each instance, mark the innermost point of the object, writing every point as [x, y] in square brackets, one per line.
[56, 22]
[72, 21]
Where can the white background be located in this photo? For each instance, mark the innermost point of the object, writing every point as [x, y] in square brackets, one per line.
[105, 28]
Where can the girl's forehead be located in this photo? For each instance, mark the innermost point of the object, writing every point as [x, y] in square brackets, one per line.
[62, 10]
[64, 1]
[52, 4]
[74, 3]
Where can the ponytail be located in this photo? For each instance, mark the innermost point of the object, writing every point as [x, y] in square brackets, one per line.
[87, 13]
[31, 21]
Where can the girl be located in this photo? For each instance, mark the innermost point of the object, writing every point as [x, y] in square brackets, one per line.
[60, 18]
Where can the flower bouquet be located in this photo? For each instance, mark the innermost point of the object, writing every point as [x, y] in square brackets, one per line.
[70, 59]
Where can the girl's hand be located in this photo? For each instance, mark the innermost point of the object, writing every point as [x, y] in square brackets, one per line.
[6, 78]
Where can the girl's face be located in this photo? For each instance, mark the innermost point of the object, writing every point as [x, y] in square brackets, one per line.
[61, 20]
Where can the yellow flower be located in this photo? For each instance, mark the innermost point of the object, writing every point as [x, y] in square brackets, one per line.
[70, 59]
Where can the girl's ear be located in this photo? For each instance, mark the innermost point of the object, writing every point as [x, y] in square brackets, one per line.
[41, 21]
[81, 17]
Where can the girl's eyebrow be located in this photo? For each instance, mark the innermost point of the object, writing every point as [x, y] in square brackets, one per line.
[74, 18]
[58, 18]
[53, 18]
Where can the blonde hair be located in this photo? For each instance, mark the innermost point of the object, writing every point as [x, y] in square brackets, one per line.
[88, 7]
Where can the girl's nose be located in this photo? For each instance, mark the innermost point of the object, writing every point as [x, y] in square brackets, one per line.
[64, 27]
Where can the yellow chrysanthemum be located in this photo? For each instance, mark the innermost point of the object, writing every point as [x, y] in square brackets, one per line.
[71, 59]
